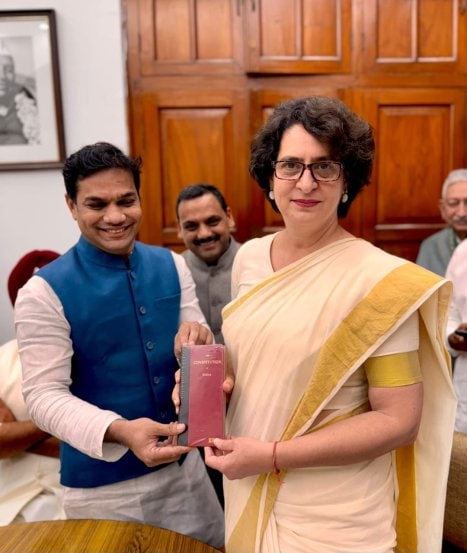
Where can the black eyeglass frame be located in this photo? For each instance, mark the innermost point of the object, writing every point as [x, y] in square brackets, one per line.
[310, 167]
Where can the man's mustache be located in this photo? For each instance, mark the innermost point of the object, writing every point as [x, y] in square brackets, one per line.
[460, 220]
[201, 241]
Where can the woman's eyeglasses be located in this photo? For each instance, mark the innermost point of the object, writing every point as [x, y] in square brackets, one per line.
[322, 171]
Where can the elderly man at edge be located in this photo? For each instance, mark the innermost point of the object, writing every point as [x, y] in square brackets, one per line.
[436, 250]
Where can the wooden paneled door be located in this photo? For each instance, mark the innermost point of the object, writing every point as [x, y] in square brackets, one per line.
[298, 36]
[204, 74]
[187, 137]
[414, 36]
[420, 138]
[185, 37]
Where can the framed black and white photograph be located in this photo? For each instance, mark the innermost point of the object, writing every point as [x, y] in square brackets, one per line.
[31, 120]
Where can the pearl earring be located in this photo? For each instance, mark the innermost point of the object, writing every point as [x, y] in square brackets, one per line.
[345, 197]
[271, 194]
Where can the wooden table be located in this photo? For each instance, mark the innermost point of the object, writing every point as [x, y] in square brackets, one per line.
[95, 536]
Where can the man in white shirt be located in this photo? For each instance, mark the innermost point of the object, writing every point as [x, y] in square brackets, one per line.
[457, 331]
[96, 330]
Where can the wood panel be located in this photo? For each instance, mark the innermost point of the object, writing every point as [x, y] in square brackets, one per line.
[419, 135]
[298, 36]
[416, 36]
[204, 74]
[174, 37]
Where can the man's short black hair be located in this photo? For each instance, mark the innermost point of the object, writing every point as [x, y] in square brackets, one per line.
[200, 189]
[94, 158]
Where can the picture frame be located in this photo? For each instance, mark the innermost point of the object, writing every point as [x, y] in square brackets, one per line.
[31, 116]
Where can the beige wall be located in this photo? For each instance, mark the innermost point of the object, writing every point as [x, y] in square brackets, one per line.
[33, 214]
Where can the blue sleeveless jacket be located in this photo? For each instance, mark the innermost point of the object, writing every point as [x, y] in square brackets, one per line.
[123, 317]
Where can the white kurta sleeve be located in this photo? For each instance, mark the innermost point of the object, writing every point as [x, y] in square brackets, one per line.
[46, 351]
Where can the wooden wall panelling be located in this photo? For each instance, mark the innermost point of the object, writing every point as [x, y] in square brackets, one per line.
[186, 137]
[353, 222]
[413, 36]
[146, 144]
[196, 92]
[188, 37]
[419, 136]
[298, 36]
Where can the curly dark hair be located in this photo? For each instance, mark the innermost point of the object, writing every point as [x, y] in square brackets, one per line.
[94, 158]
[348, 138]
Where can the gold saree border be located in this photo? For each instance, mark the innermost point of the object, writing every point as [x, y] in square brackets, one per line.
[406, 521]
[344, 351]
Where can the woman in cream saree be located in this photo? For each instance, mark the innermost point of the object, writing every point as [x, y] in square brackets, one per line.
[360, 301]
[342, 412]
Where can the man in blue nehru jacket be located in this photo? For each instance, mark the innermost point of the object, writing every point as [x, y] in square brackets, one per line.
[99, 330]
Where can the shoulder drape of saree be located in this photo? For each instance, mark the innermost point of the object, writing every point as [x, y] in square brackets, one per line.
[353, 311]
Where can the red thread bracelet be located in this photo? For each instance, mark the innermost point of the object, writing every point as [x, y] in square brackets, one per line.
[277, 471]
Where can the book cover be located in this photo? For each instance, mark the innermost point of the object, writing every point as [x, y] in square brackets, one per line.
[202, 403]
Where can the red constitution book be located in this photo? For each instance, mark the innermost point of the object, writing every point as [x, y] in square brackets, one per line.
[202, 402]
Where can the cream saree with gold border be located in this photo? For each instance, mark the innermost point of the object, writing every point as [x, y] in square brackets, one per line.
[298, 338]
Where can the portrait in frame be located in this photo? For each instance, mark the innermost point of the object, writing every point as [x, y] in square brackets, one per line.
[31, 118]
